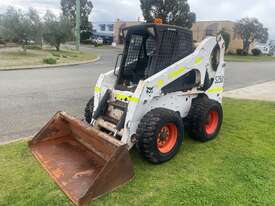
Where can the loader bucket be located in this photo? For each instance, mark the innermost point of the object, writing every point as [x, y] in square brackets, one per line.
[83, 161]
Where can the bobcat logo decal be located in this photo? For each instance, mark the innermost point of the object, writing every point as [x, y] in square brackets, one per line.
[149, 90]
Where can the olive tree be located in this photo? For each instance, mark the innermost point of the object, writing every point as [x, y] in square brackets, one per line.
[21, 27]
[16, 27]
[57, 30]
[36, 26]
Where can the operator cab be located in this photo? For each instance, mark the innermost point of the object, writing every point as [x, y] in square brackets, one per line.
[150, 48]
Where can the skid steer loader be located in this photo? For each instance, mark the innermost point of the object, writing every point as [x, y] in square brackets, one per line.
[160, 86]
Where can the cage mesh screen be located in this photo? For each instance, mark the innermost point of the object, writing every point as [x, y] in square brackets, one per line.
[175, 45]
[183, 46]
[134, 50]
[150, 46]
[166, 52]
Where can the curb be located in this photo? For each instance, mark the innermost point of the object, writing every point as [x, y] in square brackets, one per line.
[252, 92]
[50, 66]
[25, 139]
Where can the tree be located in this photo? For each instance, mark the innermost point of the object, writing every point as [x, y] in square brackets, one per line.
[36, 26]
[85, 35]
[57, 30]
[69, 9]
[21, 27]
[250, 29]
[16, 27]
[272, 47]
[226, 37]
[175, 12]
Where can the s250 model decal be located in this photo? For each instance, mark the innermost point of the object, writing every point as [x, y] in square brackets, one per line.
[219, 79]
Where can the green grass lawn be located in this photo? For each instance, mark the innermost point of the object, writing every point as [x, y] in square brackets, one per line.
[249, 58]
[235, 169]
[14, 57]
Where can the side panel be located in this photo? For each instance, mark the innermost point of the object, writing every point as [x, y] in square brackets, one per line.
[104, 82]
[217, 88]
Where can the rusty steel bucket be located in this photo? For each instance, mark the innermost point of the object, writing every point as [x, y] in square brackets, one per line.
[83, 161]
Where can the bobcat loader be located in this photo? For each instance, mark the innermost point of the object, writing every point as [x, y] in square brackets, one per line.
[160, 86]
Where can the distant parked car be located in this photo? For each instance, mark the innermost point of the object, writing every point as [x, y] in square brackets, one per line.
[97, 41]
[264, 48]
[108, 40]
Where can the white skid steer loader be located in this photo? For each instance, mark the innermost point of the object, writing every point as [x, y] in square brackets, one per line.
[161, 86]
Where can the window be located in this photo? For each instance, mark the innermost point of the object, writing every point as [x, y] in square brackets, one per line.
[102, 27]
[111, 27]
[134, 49]
[211, 30]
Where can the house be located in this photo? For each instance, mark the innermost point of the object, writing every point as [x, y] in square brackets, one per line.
[119, 26]
[105, 30]
[201, 29]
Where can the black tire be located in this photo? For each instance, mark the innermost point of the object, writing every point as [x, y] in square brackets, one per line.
[148, 134]
[89, 110]
[199, 120]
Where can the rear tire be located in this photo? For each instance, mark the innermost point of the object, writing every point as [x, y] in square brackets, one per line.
[160, 135]
[205, 119]
[89, 110]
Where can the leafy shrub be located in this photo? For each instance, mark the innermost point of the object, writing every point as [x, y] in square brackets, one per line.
[56, 54]
[85, 35]
[226, 37]
[256, 52]
[49, 60]
[2, 41]
[230, 52]
[245, 53]
[87, 41]
[241, 52]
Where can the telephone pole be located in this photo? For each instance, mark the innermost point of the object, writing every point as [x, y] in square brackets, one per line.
[77, 26]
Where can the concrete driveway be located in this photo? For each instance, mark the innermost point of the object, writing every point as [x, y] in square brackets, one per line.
[28, 98]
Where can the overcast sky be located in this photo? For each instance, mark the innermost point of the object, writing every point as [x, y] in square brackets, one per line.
[110, 10]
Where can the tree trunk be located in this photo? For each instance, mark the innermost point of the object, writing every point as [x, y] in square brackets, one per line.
[24, 47]
[41, 43]
[57, 46]
[246, 45]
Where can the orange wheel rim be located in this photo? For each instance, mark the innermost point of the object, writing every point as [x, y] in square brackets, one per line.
[167, 138]
[212, 123]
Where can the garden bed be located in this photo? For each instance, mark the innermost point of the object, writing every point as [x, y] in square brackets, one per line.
[15, 57]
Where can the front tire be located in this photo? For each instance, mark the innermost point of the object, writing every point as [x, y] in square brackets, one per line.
[160, 135]
[205, 119]
[88, 114]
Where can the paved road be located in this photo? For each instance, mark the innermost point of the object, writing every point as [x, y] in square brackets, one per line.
[28, 98]
[241, 74]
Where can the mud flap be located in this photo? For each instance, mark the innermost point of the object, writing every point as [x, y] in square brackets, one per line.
[83, 161]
